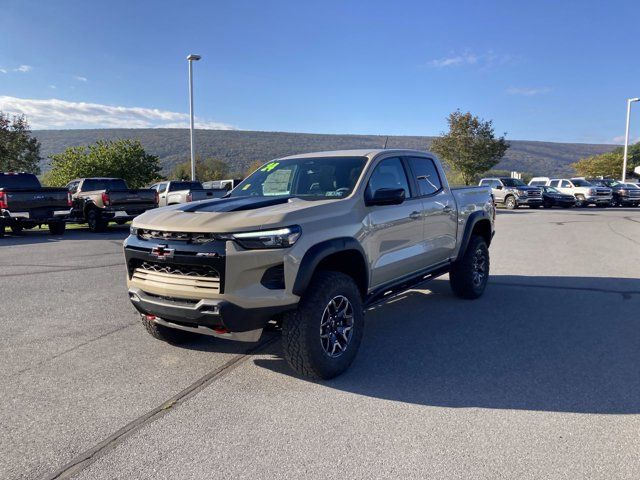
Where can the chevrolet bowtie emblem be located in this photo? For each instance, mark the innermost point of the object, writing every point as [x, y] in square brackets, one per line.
[161, 252]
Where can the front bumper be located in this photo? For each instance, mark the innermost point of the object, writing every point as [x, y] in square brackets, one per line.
[529, 201]
[598, 199]
[216, 315]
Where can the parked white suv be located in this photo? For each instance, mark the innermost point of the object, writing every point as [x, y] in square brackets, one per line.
[585, 192]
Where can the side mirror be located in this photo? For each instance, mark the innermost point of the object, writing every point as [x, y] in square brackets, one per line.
[499, 187]
[385, 196]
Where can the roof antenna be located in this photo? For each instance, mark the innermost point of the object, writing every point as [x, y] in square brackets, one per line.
[385, 143]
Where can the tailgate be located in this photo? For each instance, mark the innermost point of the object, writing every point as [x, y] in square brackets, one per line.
[140, 197]
[27, 200]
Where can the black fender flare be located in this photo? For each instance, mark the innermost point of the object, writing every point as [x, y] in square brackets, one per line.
[472, 221]
[319, 252]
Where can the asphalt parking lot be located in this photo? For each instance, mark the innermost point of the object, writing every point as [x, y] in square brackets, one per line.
[540, 378]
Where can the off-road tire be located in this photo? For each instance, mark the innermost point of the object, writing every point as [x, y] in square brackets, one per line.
[461, 276]
[57, 228]
[17, 228]
[581, 201]
[301, 340]
[167, 334]
[95, 221]
[510, 202]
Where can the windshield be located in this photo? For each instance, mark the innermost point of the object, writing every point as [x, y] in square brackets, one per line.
[512, 182]
[308, 178]
[581, 183]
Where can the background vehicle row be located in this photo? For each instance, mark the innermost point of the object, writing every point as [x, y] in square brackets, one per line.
[25, 204]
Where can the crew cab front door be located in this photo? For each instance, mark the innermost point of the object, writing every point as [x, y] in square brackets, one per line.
[393, 233]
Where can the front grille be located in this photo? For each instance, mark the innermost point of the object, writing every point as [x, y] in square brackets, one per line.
[147, 234]
[634, 193]
[173, 275]
[603, 193]
[534, 193]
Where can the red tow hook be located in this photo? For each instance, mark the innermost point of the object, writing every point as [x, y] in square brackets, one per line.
[150, 317]
[220, 330]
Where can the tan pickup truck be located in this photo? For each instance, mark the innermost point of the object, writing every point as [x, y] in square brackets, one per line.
[98, 201]
[309, 241]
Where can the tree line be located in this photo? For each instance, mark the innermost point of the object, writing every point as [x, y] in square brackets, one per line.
[469, 149]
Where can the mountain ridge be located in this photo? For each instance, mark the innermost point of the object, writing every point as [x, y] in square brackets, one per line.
[242, 147]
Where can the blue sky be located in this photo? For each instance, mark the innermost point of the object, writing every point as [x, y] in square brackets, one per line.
[553, 71]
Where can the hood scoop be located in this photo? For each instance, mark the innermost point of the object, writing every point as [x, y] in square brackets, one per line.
[233, 204]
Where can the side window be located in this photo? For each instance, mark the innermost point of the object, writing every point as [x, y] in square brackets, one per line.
[161, 187]
[427, 176]
[389, 174]
[73, 187]
[554, 183]
[495, 183]
[485, 183]
[566, 184]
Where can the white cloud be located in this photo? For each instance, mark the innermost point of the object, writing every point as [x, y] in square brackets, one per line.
[620, 140]
[528, 91]
[468, 58]
[52, 87]
[55, 113]
[23, 68]
[3, 70]
[79, 78]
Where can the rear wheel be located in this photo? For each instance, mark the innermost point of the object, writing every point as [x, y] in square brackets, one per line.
[470, 274]
[510, 202]
[1, 229]
[57, 228]
[322, 336]
[16, 228]
[167, 334]
[95, 221]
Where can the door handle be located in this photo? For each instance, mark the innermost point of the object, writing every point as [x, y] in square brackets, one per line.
[415, 215]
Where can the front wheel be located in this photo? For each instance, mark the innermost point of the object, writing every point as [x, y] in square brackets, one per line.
[581, 201]
[510, 202]
[469, 275]
[95, 221]
[57, 228]
[322, 337]
[167, 334]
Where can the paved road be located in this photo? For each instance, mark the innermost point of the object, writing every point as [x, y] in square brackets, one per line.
[538, 379]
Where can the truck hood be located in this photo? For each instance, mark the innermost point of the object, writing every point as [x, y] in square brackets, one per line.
[233, 214]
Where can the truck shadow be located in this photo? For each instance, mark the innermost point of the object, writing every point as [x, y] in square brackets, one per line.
[41, 236]
[563, 344]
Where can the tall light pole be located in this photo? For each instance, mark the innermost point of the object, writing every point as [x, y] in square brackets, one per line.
[192, 58]
[626, 139]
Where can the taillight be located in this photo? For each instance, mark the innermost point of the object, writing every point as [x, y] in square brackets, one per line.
[69, 200]
[4, 200]
[105, 199]
[189, 197]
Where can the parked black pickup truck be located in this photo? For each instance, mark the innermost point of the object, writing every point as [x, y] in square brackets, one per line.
[25, 204]
[98, 201]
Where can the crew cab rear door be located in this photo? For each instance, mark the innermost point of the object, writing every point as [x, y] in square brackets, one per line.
[440, 224]
[393, 233]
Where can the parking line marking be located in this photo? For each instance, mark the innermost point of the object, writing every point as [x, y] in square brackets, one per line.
[89, 456]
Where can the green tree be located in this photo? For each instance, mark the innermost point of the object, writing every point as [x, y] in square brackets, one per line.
[19, 151]
[207, 169]
[125, 159]
[608, 164]
[256, 164]
[470, 147]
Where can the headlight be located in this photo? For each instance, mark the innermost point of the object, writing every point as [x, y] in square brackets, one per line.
[133, 230]
[592, 191]
[623, 192]
[522, 193]
[280, 238]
